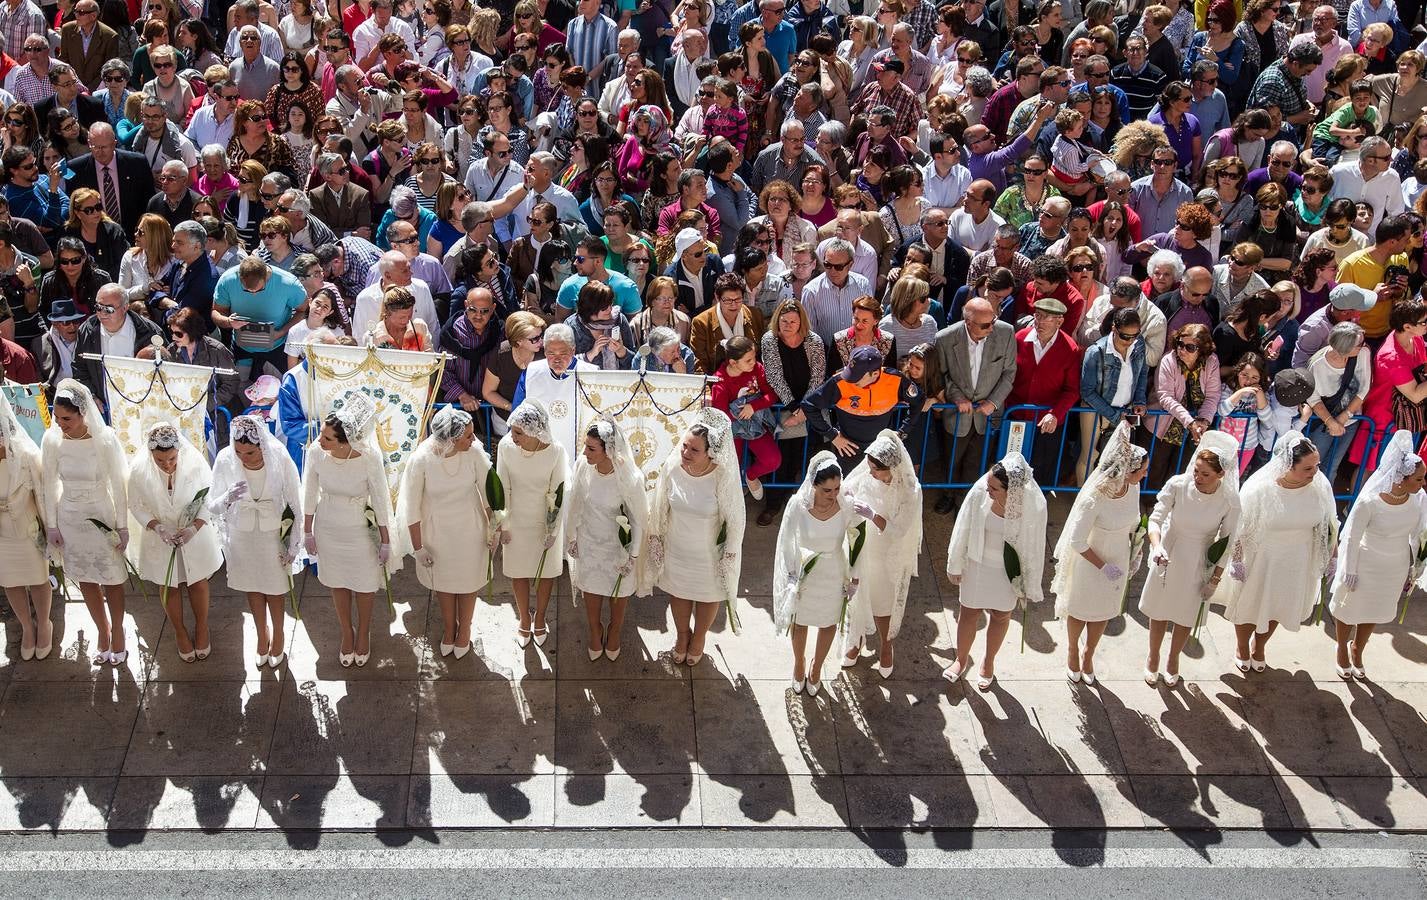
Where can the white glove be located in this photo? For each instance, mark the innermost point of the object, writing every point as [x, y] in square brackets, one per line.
[625, 567]
[164, 532]
[183, 537]
[424, 558]
[1160, 558]
[504, 536]
[235, 493]
[284, 559]
[494, 542]
[1332, 568]
[572, 549]
[309, 543]
[1112, 572]
[55, 538]
[1237, 572]
[123, 540]
[1207, 590]
[549, 540]
[383, 553]
[1350, 581]
[1135, 564]
[863, 510]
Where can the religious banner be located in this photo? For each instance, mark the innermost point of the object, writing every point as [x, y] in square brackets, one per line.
[144, 391]
[398, 382]
[31, 408]
[653, 409]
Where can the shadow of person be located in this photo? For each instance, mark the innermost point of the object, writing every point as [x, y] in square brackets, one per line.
[736, 747]
[309, 724]
[1313, 733]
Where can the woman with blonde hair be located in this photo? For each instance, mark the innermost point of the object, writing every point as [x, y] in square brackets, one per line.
[103, 238]
[485, 26]
[1401, 94]
[147, 259]
[908, 319]
[397, 328]
[1135, 145]
[244, 208]
[521, 347]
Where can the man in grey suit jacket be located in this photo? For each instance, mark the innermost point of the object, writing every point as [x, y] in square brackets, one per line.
[978, 357]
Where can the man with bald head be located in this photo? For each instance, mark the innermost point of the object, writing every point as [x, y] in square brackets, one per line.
[1192, 303]
[977, 357]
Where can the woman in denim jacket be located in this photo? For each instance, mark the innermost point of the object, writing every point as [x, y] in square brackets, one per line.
[1104, 390]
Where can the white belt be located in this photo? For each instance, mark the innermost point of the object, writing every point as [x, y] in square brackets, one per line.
[256, 515]
[82, 491]
[344, 499]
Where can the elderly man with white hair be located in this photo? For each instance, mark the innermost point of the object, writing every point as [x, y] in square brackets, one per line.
[252, 70]
[681, 78]
[308, 232]
[828, 297]
[786, 160]
[549, 381]
[174, 200]
[402, 237]
[246, 15]
[393, 270]
[1371, 179]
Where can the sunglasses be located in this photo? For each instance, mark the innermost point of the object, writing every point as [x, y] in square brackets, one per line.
[1035, 172]
[1082, 267]
[837, 267]
[266, 196]
[1271, 206]
[636, 262]
[1127, 336]
[1234, 174]
[333, 48]
[1188, 346]
[404, 241]
[269, 234]
[460, 42]
[106, 309]
[428, 162]
[91, 210]
[115, 79]
[502, 154]
[72, 261]
[1164, 162]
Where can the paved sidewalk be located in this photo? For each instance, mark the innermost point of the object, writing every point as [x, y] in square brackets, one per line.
[546, 738]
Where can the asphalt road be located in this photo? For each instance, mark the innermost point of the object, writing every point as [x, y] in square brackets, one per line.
[749, 863]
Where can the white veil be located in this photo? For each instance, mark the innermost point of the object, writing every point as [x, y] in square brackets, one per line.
[1025, 517]
[787, 553]
[447, 426]
[1120, 458]
[1226, 447]
[1398, 461]
[531, 417]
[283, 487]
[901, 544]
[626, 473]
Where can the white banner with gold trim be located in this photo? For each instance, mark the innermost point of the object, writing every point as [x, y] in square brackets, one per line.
[141, 392]
[398, 382]
[653, 409]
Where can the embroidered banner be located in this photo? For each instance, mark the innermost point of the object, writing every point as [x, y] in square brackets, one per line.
[142, 392]
[399, 383]
[653, 409]
[31, 408]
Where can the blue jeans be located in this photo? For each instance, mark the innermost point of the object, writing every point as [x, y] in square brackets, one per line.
[1331, 450]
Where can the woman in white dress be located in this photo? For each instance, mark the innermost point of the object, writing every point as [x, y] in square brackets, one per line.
[1194, 510]
[442, 505]
[1004, 509]
[24, 571]
[256, 489]
[814, 533]
[167, 501]
[1093, 554]
[885, 483]
[697, 500]
[606, 497]
[84, 473]
[1378, 551]
[342, 481]
[534, 469]
[1288, 532]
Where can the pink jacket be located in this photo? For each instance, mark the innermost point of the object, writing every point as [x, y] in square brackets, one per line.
[1168, 393]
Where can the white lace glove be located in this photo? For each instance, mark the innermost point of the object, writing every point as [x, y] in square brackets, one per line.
[625, 568]
[1135, 564]
[184, 536]
[1160, 558]
[504, 536]
[1237, 571]
[123, 540]
[424, 558]
[284, 559]
[309, 543]
[572, 549]
[1350, 581]
[1332, 568]
[164, 532]
[55, 538]
[1112, 572]
[863, 510]
[235, 493]
[549, 540]
[1207, 590]
[383, 553]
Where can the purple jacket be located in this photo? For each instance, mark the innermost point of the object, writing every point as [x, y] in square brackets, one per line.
[992, 166]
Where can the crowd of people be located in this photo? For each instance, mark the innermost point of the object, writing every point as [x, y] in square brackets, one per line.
[877, 227]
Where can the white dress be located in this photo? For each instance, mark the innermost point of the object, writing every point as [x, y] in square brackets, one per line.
[819, 603]
[528, 477]
[690, 555]
[22, 562]
[1189, 523]
[1281, 584]
[874, 560]
[253, 546]
[1381, 555]
[984, 584]
[597, 538]
[1105, 527]
[339, 491]
[195, 561]
[453, 521]
[89, 554]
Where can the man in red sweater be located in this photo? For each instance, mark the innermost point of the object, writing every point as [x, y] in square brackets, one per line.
[1050, 278]
[1047, 374]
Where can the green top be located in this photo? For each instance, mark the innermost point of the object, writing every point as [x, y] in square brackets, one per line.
[1345, 118]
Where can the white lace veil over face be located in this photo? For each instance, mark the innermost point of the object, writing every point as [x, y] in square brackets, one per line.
[1120, 459]
[1018, 475]
[532, 418]
[821, 462]
[1398, 461]
[248, 429]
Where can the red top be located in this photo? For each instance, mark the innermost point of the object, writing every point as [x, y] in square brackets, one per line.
[1053, 382]
[1067, 293]
[730, 387]
[353, 16]
[1132, 219]
[19, 364]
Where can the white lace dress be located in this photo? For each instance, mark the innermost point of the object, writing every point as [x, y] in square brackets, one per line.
[1281, 583]
[22, 563]
[528, 477]
[340, 490]
[875, 561]
[89, 554]
[984, 584]
[1106, 528]
[1190, 522]
[690, 556]
[597, 537]
[1379, 550]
